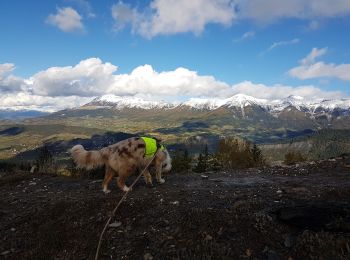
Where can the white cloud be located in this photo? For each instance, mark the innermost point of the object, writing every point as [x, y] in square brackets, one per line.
[283, 43]
[60, 87]
[88, 78]
[123, 14]
[166, 17]
[314, 25]
[309, 69]
[267, 11]
[85, 6]
[279, 44]
[8, 82]
[281, 91]
[246, 35]
[314, 54]
[25, 101]
[92, 77]
[67, 19]
[6, 68]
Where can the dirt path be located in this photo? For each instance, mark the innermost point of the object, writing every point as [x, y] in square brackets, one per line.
[273, 213]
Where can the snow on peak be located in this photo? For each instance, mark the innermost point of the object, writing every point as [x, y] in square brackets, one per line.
[130, 102]
[204, 103]
[242, 100]
[238, 100]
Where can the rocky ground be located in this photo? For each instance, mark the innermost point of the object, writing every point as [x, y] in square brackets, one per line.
[296, 212]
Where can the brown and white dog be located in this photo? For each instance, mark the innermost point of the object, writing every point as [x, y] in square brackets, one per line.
[123, 159]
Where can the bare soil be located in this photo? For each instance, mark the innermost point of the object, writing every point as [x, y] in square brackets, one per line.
[296, 212]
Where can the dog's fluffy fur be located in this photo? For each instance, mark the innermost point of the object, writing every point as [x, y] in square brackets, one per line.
[122, 159]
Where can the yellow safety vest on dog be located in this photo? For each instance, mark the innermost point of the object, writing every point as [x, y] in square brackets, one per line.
[151, 146]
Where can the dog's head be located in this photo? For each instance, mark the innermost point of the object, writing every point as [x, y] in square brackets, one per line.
[166, 165]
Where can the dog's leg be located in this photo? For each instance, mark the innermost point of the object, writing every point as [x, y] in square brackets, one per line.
[121, 183]
[108, 177]
[148, 178]
[159, 174]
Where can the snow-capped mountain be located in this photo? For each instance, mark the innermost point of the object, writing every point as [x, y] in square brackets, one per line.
[119, 103]
[239, 101]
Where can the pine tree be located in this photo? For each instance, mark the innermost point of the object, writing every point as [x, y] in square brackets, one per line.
[257, 155]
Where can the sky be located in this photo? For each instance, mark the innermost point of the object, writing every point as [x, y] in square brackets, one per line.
[63, 53]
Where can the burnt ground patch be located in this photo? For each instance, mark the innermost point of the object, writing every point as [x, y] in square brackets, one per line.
[300, 212]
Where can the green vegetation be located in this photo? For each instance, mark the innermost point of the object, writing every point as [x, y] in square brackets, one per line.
[294, 157]
[181, 161]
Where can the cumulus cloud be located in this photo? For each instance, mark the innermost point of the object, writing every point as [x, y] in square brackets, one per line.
[281, 91]
[267, 11]
[166, 17]
[66, 19]
[62, 87]
[88, 78]
[6, 68]
[310, 69]
[27, 101]
[8, 82]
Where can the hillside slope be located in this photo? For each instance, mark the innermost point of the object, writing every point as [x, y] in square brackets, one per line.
[300, 212]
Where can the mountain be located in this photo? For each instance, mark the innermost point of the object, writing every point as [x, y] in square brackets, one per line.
[321, 112]
[260, 120]
[312, 107]
[20, 114]
[191, 123]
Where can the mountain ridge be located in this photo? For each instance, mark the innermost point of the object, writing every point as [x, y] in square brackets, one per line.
[273, 106]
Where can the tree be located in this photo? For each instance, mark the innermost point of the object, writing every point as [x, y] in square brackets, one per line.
[45, 160]
[233, 153]
[181, 161]
[203, 161]
[257, 155]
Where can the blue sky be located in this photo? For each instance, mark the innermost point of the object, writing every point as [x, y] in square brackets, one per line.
[136, 48]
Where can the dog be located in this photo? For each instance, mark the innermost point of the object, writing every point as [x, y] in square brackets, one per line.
[122, 159]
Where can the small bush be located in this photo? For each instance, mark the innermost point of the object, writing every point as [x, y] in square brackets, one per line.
[234, 153]
[181, 161]
[294, 157]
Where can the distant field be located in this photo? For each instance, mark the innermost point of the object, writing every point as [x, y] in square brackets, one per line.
[178, 129]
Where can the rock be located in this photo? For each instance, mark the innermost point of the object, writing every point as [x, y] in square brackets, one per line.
[289, 241]
[239, 203]
[248, 252]
[13, 229]
[115, 224]
[5, 252]
[208, 238]
[147, 256]
[32, 170]
[272, 255]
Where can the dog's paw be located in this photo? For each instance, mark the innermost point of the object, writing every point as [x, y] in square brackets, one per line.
[126, 188]
[161, 180]
[106, 191]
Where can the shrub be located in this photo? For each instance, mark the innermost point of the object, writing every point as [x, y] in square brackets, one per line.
[234, 153]
[294, 157]
[181, 161]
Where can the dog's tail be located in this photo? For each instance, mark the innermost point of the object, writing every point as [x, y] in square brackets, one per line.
[89, 159]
